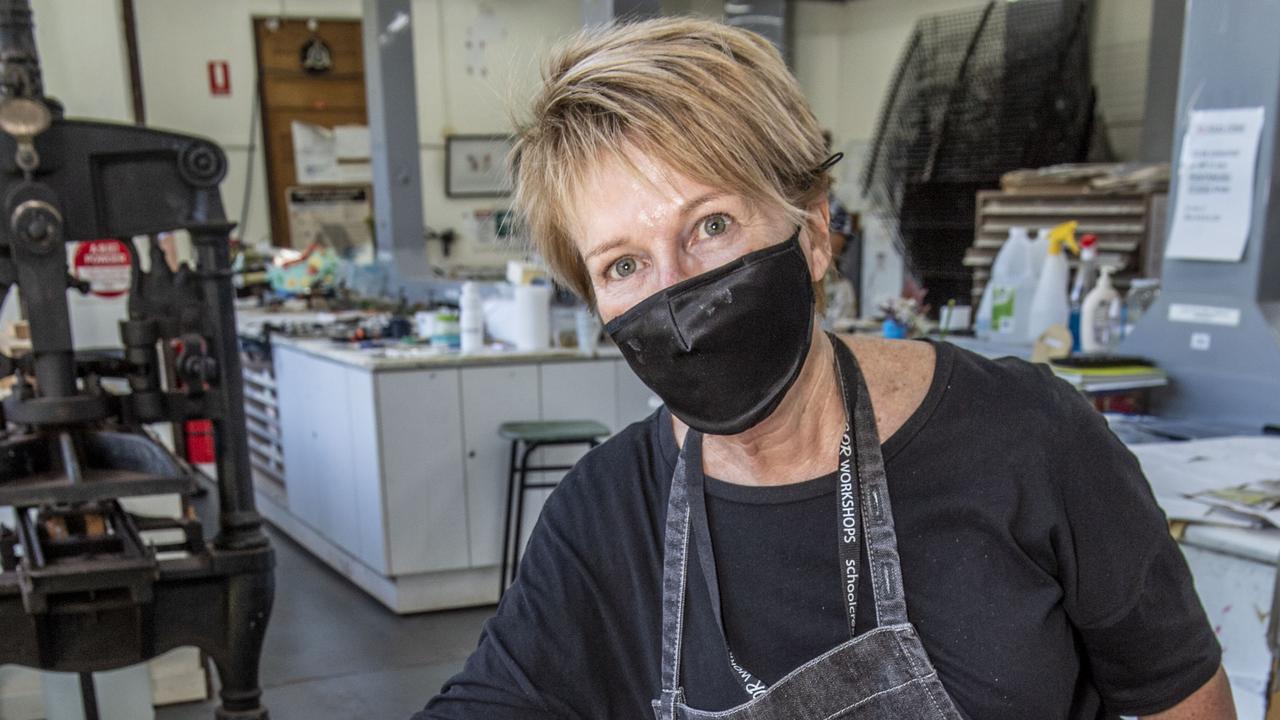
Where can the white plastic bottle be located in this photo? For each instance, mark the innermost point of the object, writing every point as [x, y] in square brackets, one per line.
[1049, 307]
[471, 320]
[1095, 315]
[1039, 249]
[1003, 310]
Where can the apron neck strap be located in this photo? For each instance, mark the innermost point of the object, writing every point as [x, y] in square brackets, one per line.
[877, 515]
[675, 571]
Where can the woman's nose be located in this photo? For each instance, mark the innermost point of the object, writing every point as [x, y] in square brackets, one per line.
[676, 267]
[670, 275]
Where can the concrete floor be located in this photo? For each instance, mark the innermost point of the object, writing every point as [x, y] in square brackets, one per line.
[333, 652]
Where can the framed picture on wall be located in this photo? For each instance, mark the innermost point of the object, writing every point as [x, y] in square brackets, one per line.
[476, 166]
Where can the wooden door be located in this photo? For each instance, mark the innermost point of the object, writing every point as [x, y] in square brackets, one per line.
[288, 92]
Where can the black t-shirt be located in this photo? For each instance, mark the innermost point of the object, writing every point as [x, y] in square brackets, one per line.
[1037, 568]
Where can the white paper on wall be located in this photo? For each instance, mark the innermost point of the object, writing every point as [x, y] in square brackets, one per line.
[1216, 173]
[351, 142]
[331, 156]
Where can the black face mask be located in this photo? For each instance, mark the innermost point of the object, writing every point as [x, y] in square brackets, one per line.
[721, 349]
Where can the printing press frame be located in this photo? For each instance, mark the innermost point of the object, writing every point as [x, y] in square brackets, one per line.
[81, 587]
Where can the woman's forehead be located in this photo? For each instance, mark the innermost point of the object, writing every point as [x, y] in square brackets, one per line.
[632, 187]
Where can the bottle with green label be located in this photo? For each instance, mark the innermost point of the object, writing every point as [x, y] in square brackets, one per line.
[1006, 301]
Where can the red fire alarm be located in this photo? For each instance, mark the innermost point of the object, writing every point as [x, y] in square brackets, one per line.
[219, 77]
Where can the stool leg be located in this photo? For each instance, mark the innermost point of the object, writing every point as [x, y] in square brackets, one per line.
[88, 696]
[524, 476]
[506, 525]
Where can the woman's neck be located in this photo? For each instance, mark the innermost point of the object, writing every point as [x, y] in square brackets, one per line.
[797, 442]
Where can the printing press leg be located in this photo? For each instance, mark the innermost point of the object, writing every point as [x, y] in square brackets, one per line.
[249, 604]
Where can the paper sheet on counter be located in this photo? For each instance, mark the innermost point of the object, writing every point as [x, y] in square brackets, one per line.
[1181, 473]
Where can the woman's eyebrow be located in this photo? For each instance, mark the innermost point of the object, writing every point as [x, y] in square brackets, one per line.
[605, 247]
[684, 211]
[701, 200]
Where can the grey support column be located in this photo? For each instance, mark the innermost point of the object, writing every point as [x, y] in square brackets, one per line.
[599, 12]
[1162, 79]
[770, 18]
[1222, 348]
[393, 132]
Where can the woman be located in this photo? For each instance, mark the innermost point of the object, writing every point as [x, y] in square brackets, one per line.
[752, 550]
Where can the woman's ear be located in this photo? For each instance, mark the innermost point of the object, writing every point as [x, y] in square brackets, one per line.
[818, 246]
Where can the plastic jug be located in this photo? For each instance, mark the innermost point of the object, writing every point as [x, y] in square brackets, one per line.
[1003, 310]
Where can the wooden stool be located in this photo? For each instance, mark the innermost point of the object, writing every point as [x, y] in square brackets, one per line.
[533, 435]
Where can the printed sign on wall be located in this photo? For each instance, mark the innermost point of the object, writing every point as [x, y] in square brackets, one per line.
[219, 77]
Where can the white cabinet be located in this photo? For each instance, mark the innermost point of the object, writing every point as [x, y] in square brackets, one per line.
[492, 396]
[332, 478]
[366, 472]
[307, 411]
[397, 477]
[420, 428]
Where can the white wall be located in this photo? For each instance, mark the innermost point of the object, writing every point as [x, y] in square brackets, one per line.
[82, 55]
[1121, 37]
[452, 101]
[845, 54]
[176, 39]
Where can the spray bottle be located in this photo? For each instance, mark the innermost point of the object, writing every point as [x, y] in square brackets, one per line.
[1049, 306]
[1086, 276]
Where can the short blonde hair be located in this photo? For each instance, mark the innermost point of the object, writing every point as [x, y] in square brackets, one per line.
[714, 103]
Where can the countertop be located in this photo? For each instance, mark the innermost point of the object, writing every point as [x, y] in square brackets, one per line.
[396, 356]
[412, 357]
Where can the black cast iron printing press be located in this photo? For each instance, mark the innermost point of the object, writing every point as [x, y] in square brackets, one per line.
[84, 585]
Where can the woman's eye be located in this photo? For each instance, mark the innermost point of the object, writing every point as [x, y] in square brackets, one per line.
[714, 225]
[623, 267]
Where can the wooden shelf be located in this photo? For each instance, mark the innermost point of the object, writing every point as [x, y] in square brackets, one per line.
[1129, 227]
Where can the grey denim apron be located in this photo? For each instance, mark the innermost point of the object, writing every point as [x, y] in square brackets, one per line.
[883, 673]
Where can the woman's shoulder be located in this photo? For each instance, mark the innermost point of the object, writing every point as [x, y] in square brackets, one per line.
[900, 375]
[1008, 396]
[909, 377]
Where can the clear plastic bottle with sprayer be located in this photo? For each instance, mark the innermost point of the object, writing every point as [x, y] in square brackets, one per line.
[1086, 277]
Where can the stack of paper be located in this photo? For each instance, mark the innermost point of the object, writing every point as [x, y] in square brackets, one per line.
[1118, 377]
[1226, 481]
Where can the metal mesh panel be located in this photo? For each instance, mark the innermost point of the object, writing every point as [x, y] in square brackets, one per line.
[977, 93]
